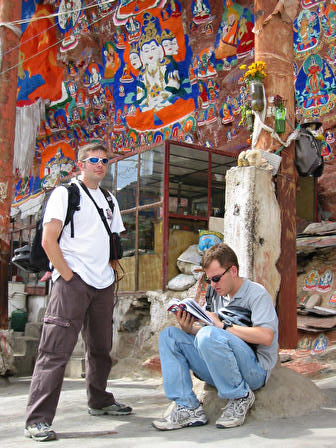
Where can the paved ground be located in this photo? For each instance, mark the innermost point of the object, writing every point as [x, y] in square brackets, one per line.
[76, 428]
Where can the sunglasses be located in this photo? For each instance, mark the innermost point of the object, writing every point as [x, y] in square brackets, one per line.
[95, 160]
[216, 278]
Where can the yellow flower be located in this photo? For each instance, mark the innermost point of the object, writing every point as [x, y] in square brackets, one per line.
[243, 67]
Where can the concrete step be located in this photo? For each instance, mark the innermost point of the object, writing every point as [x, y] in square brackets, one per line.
[33, 329]
[25, 350]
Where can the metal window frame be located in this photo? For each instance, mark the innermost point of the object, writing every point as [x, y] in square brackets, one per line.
[167, 145]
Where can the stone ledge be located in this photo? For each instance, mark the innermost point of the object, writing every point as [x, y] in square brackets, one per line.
[286, 394]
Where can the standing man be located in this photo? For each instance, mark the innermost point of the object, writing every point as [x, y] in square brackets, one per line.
[82, 296]
[235, 355]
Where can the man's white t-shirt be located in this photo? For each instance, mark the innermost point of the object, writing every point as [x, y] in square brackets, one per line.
[88, 252]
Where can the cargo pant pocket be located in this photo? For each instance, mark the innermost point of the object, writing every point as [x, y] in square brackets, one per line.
[58, 335]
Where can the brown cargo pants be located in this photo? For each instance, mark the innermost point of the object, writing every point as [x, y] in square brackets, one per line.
[72, 305]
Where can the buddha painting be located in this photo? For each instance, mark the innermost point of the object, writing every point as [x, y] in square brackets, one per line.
[159, 92]
[111, 60]
[306, 32]
[315, 85]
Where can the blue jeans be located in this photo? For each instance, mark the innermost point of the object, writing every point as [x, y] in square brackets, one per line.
[215, 356]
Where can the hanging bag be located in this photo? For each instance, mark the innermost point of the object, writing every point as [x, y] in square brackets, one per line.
[308, 154]
[308, 150]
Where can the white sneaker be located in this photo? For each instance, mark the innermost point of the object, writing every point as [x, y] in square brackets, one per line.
[41, 432]
[235, 411]
[180, 417]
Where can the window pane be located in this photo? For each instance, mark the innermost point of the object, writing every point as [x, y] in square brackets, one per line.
[188, 181]
[219, 165]
[151, 176]
[150, 249]
[146, 230]
[128, 237]
[127, 182]
[107, 182]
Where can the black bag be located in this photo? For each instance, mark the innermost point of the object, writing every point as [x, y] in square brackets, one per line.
[33, 258]
[116, 250]
[308, 154]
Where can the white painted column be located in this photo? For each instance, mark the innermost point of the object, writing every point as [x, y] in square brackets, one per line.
[252, 224]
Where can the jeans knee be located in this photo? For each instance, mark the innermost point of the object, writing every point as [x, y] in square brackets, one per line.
[168, 333]
[203, 338]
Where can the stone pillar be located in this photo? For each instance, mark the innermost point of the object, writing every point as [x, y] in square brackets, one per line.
[9, 40]
[274, 46]
[252, 224]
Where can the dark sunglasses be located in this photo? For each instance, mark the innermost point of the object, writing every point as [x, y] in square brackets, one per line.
[95, 160]
[216, 278]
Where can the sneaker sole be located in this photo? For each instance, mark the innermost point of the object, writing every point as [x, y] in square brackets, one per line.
[229, 425]
[197, 423]
[39, 439]
[98, 412]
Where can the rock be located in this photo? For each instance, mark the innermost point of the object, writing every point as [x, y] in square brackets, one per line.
[313, 300]
[181, 282]
[326, 191]
[189, 259]
[284, 357]
[286, 394]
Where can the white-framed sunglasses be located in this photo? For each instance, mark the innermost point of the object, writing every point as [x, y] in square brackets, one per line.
[95, 160]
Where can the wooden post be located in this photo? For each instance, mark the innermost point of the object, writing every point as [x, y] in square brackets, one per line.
[9, 11]
[274, 46]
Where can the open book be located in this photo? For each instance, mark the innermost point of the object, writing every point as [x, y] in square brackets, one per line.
[191, 307]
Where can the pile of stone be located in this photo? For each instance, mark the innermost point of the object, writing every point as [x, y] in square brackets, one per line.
[189, 265]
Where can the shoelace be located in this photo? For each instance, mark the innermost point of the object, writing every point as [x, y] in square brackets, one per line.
[43, 426]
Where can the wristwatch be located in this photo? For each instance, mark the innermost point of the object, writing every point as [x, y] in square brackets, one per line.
[226, 324]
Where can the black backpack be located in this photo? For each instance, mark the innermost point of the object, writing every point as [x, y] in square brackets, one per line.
[38, 259]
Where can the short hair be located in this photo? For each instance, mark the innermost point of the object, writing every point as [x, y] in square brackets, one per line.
[225, 256]
[83, 150]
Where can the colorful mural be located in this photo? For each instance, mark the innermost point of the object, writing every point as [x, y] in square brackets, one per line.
[315, 85]
[130, 73]
[133, 73]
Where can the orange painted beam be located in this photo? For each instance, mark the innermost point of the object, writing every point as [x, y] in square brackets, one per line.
[274, 45]
[9, 11]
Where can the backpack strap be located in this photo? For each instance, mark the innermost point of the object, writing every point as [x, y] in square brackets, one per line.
[99, 210]
[209, 296]
[73, 205]
[108, 197]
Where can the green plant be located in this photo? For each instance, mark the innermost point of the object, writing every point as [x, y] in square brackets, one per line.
[247, 117]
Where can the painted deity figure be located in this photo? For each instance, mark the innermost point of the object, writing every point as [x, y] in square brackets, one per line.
[134, 58]
[325, 281]
[328, 20]
[201, 11]
[68, 14]
[52, 171]
[306, 32]
[112, 60]
[206, 67]
[156, 79]
[315, 88]
[169, 43]
[160, 95]
[94, 78]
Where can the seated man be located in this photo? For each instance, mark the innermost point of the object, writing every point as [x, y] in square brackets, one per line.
[235, 358]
